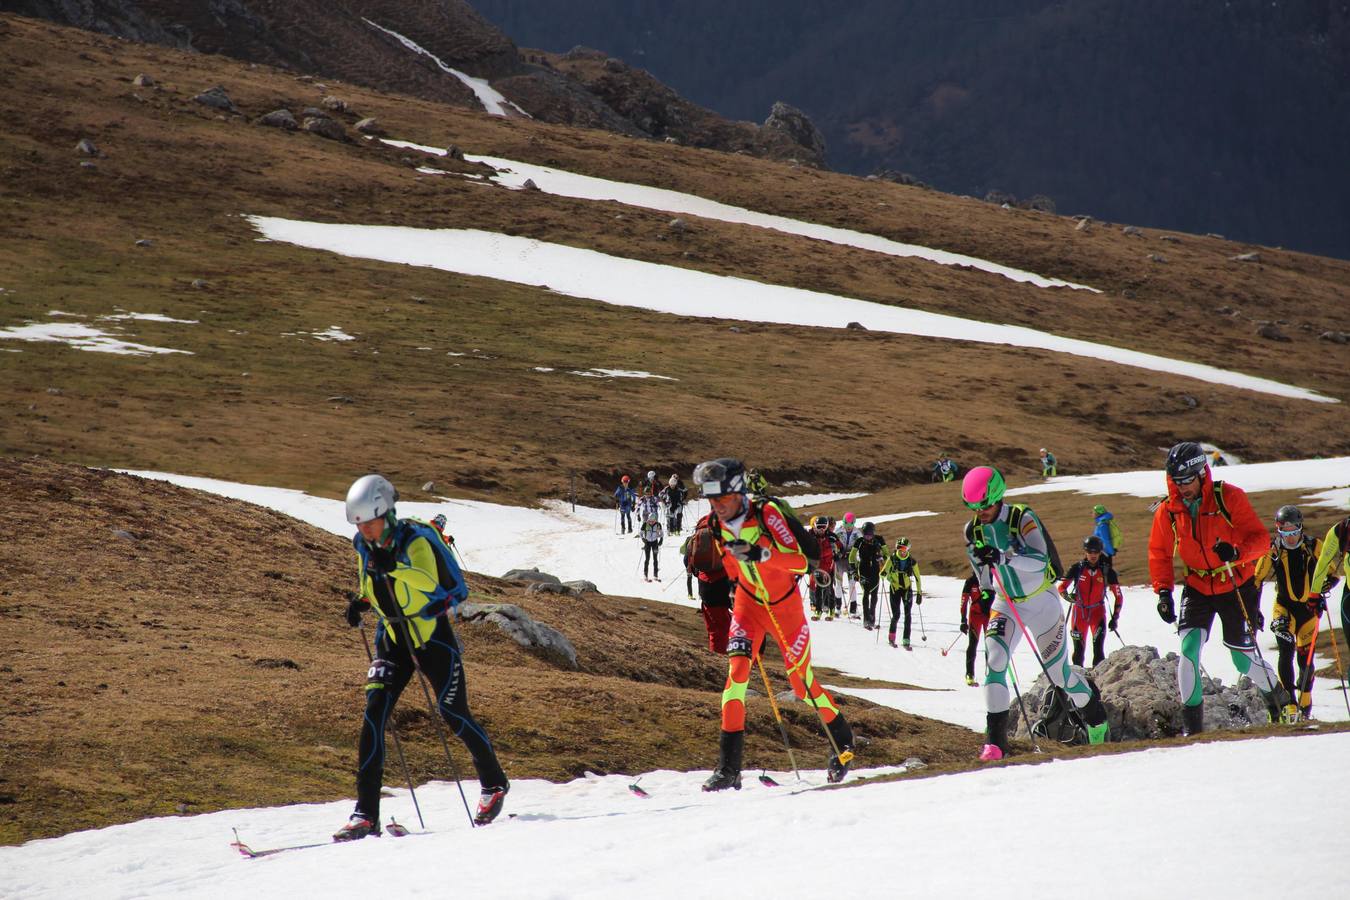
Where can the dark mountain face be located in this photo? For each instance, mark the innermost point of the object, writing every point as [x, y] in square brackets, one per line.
[1229, 117]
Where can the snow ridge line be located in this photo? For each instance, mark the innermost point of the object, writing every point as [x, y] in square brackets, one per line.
[490, 97]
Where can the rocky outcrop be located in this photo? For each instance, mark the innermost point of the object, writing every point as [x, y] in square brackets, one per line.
[531, 575]
[794, 124]
[545, 640]
[1139, 690]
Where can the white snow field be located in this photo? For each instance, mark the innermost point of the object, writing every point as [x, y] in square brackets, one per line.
[590, 275]
[514, 174]
[490, 97]
[1199, 819]
[83, 337]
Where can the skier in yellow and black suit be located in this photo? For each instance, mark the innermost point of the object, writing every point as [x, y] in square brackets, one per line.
[1293, 621]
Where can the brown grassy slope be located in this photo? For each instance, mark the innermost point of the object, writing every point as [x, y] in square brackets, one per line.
[939, 546]
[200, 660]
[836, 407]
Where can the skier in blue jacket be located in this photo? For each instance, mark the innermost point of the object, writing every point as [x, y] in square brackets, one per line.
[1103, 529]
[625, 496]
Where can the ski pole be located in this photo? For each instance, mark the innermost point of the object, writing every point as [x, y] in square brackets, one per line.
[398, 747]
[777, 716]
[1242, 605]
[1306, 682]
[948, 648]
[1345, 693]
[431, 705]
[923, 632]
[844, 756]
[1026, 719]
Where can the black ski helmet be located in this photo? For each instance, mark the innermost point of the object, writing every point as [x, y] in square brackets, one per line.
[1093, 544]
[720, 476]
[1186, 460]
[869, 528]
[1289, 515]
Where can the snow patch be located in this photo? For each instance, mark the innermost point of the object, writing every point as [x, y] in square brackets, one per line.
[490, 97]
[147, 317]
[82, 337]
[618, 373]
[618, 281]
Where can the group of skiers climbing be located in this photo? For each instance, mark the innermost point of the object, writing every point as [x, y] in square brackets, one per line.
[750, 552]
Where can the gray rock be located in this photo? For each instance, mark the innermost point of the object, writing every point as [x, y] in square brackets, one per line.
[525, 631]
[145, 242]
[1336, 337]
[313, 112]
[615, 65]
[913, 763]
[678, 226]
[582, 586]
[798, 127]
[1040, 203]
[1157, 258]
[88, 147]
[200, 284]
[216, 98]
[336, 104]
[88, 164]
[1084, 226]
[1133, 230]
[369, 126]
[1139, 691]
[1246, 257]
[531, 575]
[1000, 198]
[143, 81]
[453, 152]
[548, 587]
[1271, 332]
[325, 128]
[856, 326]
[1170, 238]
[529, 185]
[279, 118]
[428, 487]
[124, 535]
[1191, 402]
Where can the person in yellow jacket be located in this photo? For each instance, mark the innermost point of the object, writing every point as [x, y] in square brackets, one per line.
[1331, 561]
[411, 580]
[901, 571]
[1297, 609]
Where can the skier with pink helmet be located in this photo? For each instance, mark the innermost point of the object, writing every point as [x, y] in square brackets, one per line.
[1011, 554]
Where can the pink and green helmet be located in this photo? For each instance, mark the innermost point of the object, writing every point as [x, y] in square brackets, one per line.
[982, 487]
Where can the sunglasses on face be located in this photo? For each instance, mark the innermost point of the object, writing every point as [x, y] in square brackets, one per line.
[1295, 530]
[1185, 481]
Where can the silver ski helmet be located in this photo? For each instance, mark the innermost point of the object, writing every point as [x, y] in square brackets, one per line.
[720, 476]
[369, 498]
[1290, 516]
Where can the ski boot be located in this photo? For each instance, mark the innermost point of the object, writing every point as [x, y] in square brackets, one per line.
[905, 644]
[728, 771]
[891, 638]
[815, 617]
[1094, 717]
[842, 735]
[829, 616]
[1289, 715]
[996, 737]
[970, 680]
[357, 827]
[1192, 720]
[490, 804]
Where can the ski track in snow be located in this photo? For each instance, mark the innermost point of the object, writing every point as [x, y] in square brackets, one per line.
[590, 275]
[591, 838]
[490, 97]
[514, 174]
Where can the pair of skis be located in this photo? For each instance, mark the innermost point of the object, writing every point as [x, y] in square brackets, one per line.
[393, 829]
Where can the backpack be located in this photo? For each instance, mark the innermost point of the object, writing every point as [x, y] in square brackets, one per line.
[1114, 530]
[446, 565]
[701, 550]
[1056, 721]
[1015, 513]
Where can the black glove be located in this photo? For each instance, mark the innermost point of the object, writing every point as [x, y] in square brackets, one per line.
[1259, 621]
[1167, 610]
[987, 555]
[918, 599]
[1225, 551]
[965, 629]
[747, 552]
[355, 607]
[1317, 603]
[1115, 620]
[1279, 627]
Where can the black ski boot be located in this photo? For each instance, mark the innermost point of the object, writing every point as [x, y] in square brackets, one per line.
[728, 771]
[1192, 719]
[996, 737]
[842, 734]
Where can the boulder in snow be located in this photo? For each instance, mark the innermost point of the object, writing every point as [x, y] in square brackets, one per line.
[531, 575]
[525, 631]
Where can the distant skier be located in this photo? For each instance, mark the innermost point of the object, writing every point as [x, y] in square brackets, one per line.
[625, 497]
[652, 536]
[822, 579]
[1107, 531]
[703, 560]
[1294, 620]
[1213, 529]
[866, 557]
[672, 497]
[975, 606]
[1048, 467]
[944, 469]
[647, 506]
[649, 486]
[765, 550]
[1085, 586]
[901, 572]
[1216, 458]
[1010, 552]
[848, 535]
[410, 579]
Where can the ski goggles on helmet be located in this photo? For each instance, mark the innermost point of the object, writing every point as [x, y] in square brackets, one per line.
[1289, 531]
[720, 476]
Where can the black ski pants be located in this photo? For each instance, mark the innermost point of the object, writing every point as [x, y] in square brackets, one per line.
[871, 583]
[901, 597]
[650, 554]
[393, 668]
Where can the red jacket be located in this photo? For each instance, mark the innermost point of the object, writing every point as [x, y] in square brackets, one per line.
[1176, 534]
[1090, 584]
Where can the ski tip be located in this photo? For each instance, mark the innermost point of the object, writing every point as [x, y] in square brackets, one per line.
[767, 781]
[244, 849]
[638, 791]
